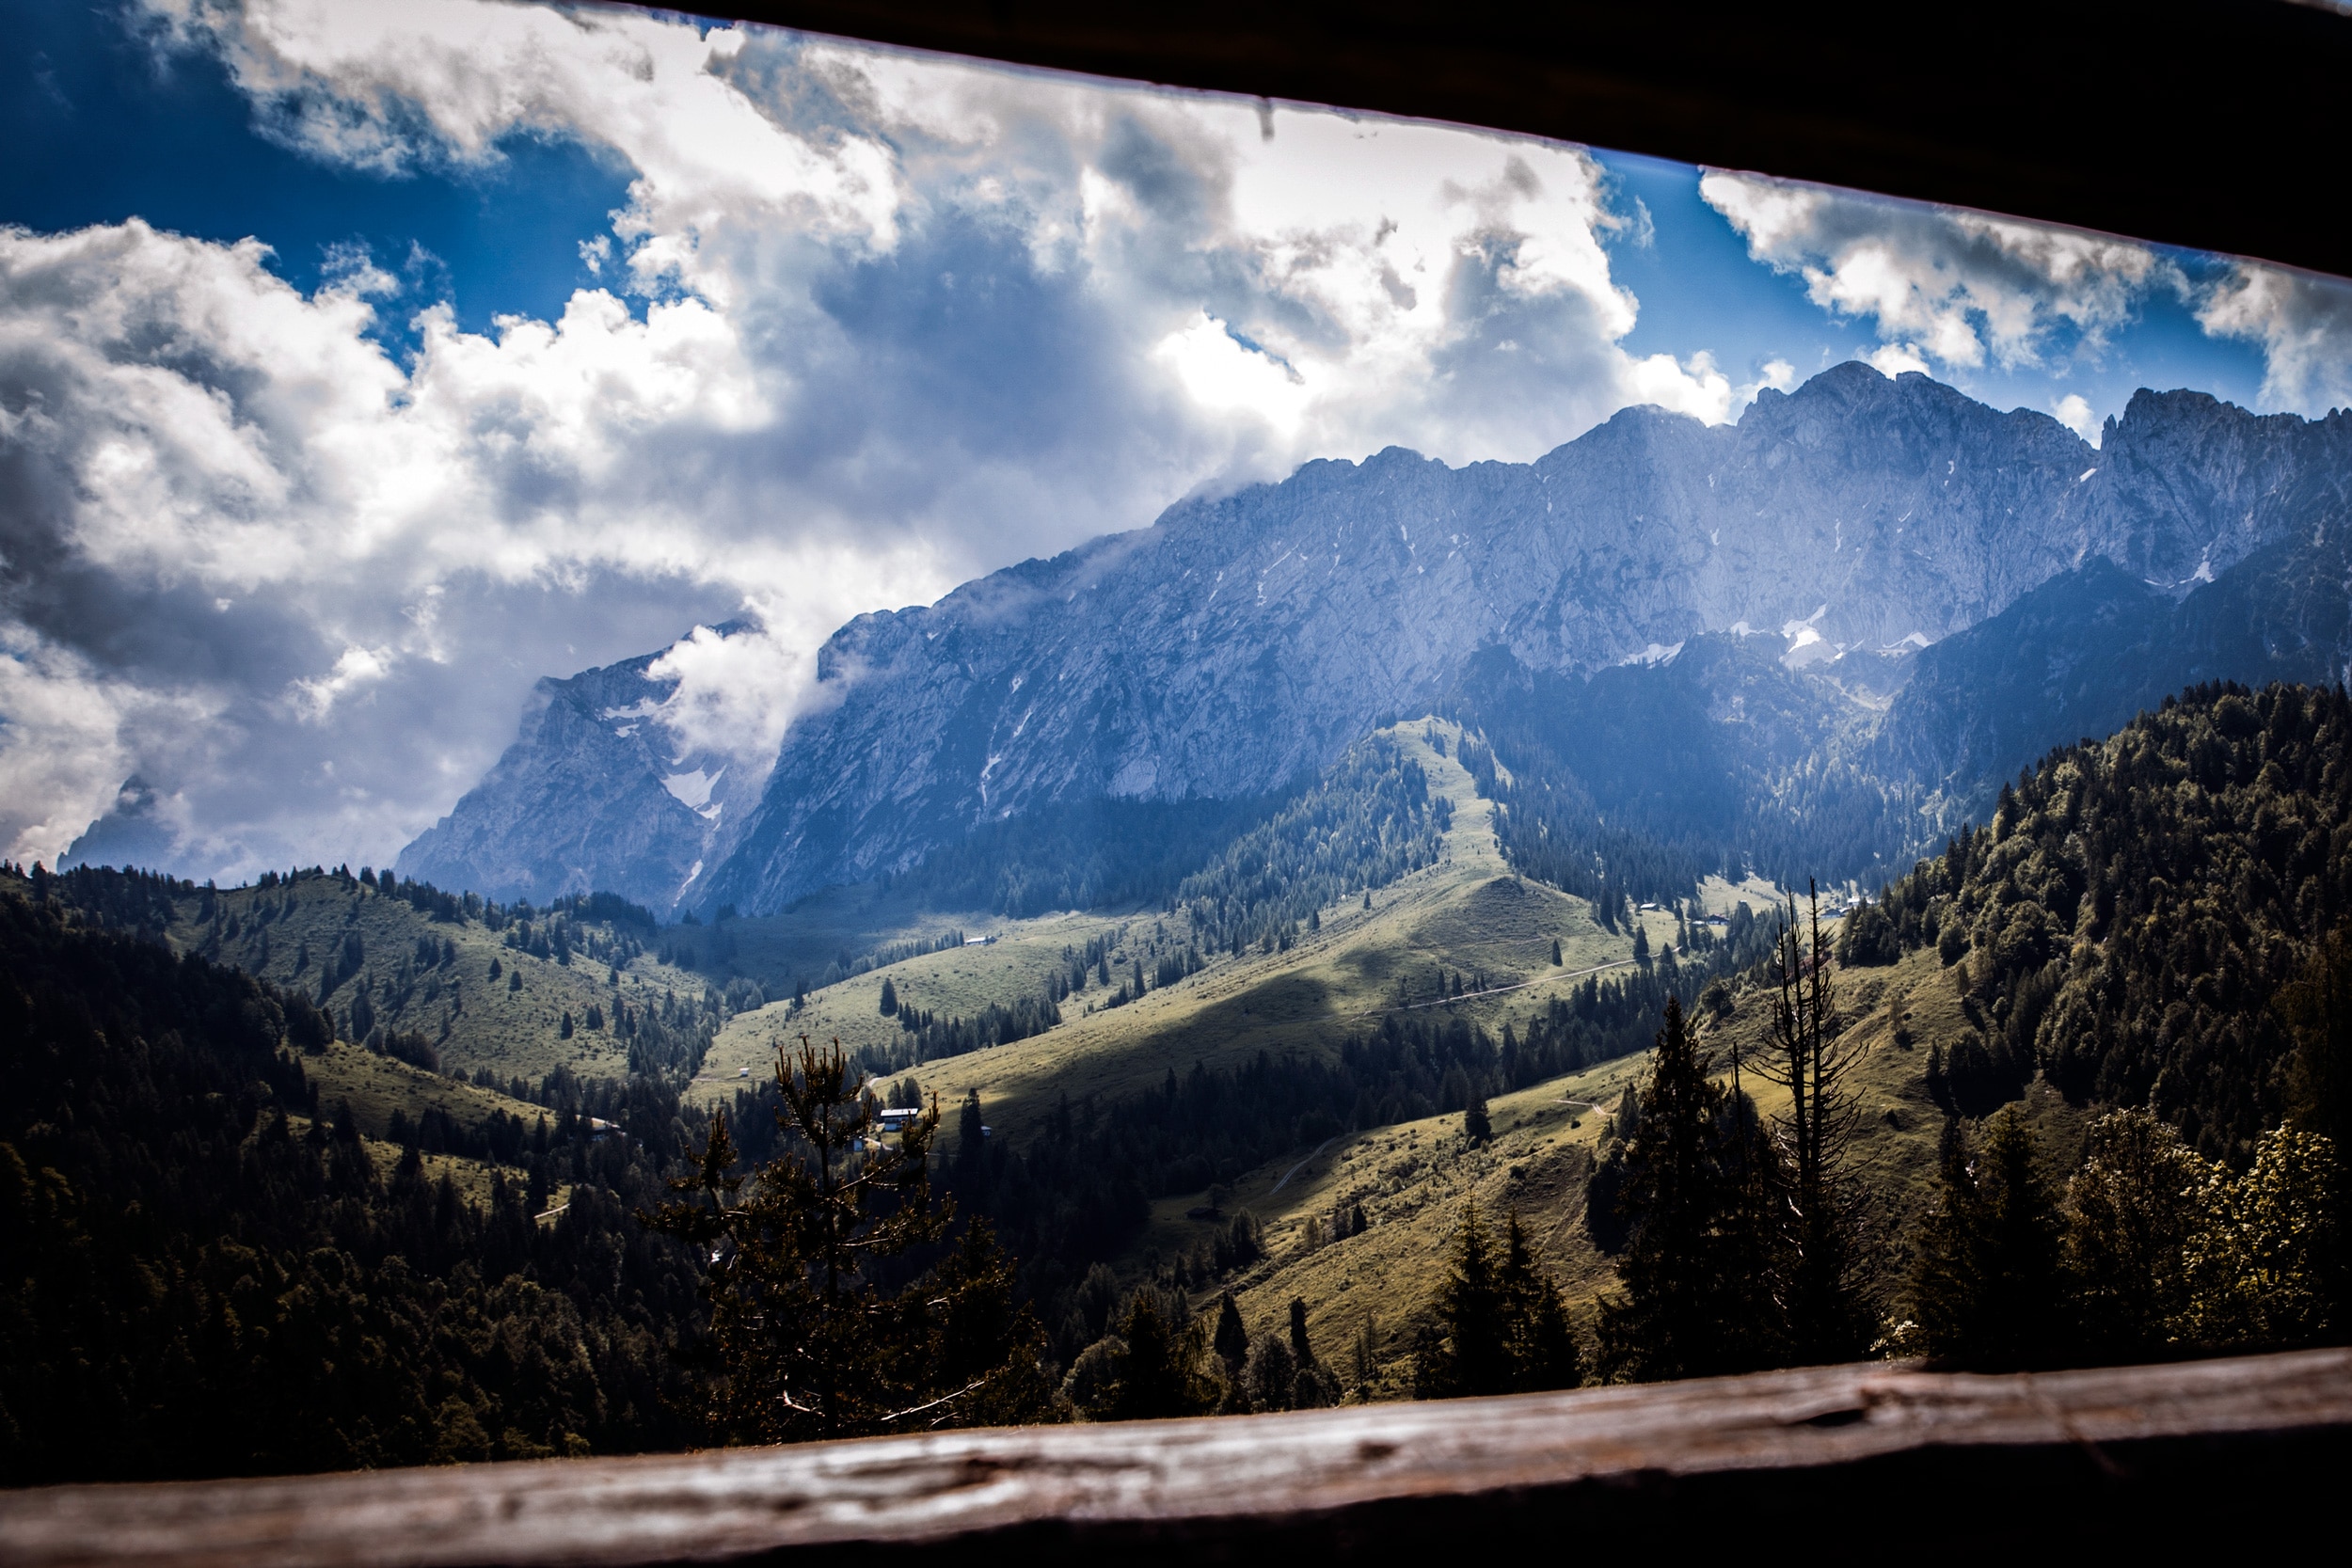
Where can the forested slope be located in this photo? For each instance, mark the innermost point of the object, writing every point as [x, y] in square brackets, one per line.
[1335, 996]
[203, 1271]
[457, 983]
[2126, 919]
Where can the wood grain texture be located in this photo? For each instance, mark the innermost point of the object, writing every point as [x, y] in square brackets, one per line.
[1205, 1480]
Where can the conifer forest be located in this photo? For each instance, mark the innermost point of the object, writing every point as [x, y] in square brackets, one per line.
[247, 1234]
[715, 737]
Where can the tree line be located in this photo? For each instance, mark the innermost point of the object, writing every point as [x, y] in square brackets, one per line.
[1596, 796]
[1082, 855]
[1369, 820]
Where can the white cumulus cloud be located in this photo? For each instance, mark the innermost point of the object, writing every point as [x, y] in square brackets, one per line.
[1948, 289]
[2074, 412]
[2303, 323]
[1959, 288]
[868, 323]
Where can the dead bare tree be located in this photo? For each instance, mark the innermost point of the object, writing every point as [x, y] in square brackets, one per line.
[1823, 1291]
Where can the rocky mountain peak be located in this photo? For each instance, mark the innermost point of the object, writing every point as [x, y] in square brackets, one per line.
[1244, 640]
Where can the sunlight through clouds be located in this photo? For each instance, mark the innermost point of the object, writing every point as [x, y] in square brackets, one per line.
[867, 324]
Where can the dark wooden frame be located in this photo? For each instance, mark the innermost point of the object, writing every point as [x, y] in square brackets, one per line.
[1896, 1460]
[2208, 123]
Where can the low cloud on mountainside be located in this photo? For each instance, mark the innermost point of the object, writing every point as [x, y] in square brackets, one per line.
[865, 326]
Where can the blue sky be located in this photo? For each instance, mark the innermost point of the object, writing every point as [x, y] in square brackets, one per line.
[1701, 290]
[361, 363]
[105, 128]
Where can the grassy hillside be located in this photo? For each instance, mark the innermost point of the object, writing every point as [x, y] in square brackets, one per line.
[365, 955]
[1340, 973]
[1463, 923]
[1953, 970]
[1294, 1034]
[377, 1089]
[382, 1092]
[1466, 915]
[819, 939]
[411, 975]
[1414, 1181]
[2119, 935]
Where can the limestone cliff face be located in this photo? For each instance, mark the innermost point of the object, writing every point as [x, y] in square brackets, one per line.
[2082, 654]
[593, 796]
[1239, 642]
[1242, 642]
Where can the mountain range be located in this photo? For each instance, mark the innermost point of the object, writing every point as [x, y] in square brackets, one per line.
[1823, 635]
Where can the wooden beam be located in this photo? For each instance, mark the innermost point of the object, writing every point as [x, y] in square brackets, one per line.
[2207, 123]
[2144, 1452]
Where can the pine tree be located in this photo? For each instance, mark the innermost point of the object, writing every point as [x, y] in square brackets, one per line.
[1476, 1124]
[1692, 1300]
[1158, 1373]
[1232, 1340]
[1269, 1379]
[2317, 1007]
[1988, 1288]
[806, 1342]
[971, 1166]
[1544, 1353]
[1499, 1326]
[1471, 1353]
[1555, 953]
[1823, 1298]
[889, 999]
[991, 1347]
[1364, 1355]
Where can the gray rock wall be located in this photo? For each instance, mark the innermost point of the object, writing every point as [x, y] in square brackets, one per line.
[1241, 642]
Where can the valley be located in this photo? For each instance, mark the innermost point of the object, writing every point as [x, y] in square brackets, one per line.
[1357, 961]
[1255, 977]
[1467, 915]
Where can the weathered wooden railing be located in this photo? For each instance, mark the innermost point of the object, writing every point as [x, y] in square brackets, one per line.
[1840, 1462]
